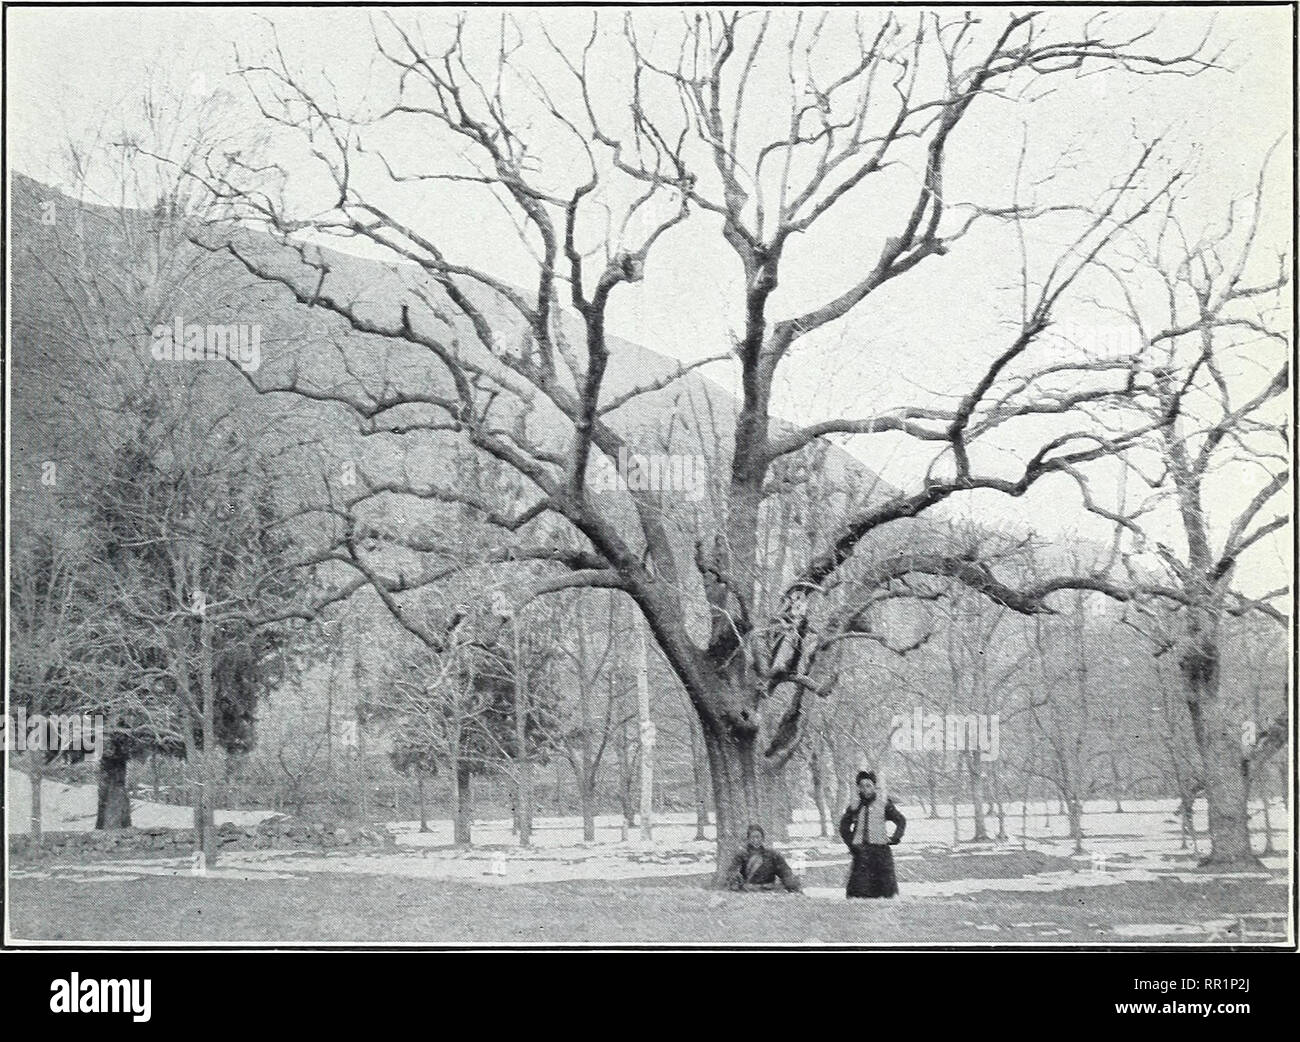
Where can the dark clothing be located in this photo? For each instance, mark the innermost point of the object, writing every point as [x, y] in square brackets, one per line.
[872, 872]
[848, 823]
[762, 869]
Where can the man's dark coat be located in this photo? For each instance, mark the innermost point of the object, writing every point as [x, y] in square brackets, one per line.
[872, 873]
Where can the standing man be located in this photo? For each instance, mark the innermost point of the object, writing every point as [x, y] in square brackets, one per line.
[758, 867]
[863, 828]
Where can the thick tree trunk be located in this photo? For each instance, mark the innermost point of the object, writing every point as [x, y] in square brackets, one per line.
[419, 793]
[745, 792]
[113, 810]
[735, 791]
[1225, 786]
[782, 811]
[1218, 739]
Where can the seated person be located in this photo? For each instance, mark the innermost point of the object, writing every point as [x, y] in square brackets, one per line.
[760, 868]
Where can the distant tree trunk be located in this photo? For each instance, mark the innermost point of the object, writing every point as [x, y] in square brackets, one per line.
[998, 805]
[298, 797]
[1074, 813]
[1187, 819]
[209, 784]
[819, 793]
[363, 797]
[976, 775]
[329, 726]
[1268, 821]
[698, 782]
[647, 731]
[839, 770]
[1024, 811]
[36, 768]
[113, 810]
[587, 803]
[624, 758]
[419, 794]
[524, 764]
[1117, 784]
[462, 803]
[584, 769]
[194, 792]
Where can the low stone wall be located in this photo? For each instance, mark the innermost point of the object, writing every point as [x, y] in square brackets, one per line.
[273, 834]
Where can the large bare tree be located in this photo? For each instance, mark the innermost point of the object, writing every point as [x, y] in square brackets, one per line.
[746, 133]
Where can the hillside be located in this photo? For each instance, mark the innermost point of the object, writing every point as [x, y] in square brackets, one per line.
[90, 285]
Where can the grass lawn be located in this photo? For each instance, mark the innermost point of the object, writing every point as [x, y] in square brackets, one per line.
[373, 908]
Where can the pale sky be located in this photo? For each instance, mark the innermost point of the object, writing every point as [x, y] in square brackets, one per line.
[922, 339]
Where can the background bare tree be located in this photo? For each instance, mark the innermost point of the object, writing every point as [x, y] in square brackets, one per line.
[591, 718]
[1216, 306]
